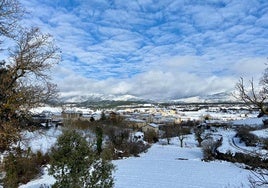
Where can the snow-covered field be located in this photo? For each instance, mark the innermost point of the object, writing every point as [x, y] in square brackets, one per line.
[169, 166]
[41, 140]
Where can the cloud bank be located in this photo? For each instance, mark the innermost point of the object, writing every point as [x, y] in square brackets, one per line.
[154, 50]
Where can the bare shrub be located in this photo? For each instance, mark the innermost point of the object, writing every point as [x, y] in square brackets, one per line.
[80, 124]
[209, 148]
[117, 136]
[248, 138]
[151, 136]
[22, 165]
[198, 132]
[135, 148]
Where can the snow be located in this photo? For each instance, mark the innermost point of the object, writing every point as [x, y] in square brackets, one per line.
[43, 181]
[41, 140]
[165, 165]
[169, 166]
[161, 167]
[154, 125]
[54, 110]
[249, 122]
[263, 133]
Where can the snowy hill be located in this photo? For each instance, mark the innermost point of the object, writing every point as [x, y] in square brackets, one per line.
[213, 98]
[76, 98]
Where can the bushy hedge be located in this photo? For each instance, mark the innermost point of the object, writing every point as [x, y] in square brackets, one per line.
[253, 161]
[21, 166]
[247, 137]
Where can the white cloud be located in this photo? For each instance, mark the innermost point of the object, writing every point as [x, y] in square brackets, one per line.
[250, 67]
[161, 82]
[263, 20]
[163, 49]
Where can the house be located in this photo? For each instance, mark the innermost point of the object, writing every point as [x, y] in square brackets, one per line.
[113, 116]
[151, 127]
[177, 120]
[73, 115]
[85, 117]
[43, 119]
[135, 123]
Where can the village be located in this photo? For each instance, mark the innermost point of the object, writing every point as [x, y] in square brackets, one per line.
[150, 117]
[154, 118]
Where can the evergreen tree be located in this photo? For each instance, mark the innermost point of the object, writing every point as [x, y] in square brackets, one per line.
[103, 116]
[99, 135]
[74, 164]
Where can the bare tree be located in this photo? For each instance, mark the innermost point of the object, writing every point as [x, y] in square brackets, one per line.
[251, 96]
[25, 82]
[169, 132]
[24, 75]
[254, 96]
[24, 79]
[182, 132]
[198, 132]
[10, 13]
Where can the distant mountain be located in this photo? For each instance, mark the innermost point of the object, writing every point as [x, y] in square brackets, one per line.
[213, 98]
[97, 97]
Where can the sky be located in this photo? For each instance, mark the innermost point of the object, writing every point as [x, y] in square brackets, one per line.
[150, 49]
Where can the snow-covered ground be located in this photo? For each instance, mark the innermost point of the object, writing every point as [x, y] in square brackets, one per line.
[263, 133]
[41, 140]
[170, 166]
[253, 121]
[45, 181]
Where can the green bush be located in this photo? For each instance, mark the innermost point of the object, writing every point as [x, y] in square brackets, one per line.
[99, 135]
[21, 166]
[74, 164]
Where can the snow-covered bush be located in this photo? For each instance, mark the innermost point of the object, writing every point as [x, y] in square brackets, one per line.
[74, 164]
[209, 148]
[247, 137]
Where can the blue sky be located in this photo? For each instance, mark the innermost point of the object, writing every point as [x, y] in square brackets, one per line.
[154, 49]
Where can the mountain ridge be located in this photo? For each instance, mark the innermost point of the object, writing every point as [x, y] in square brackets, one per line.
[212, 98]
